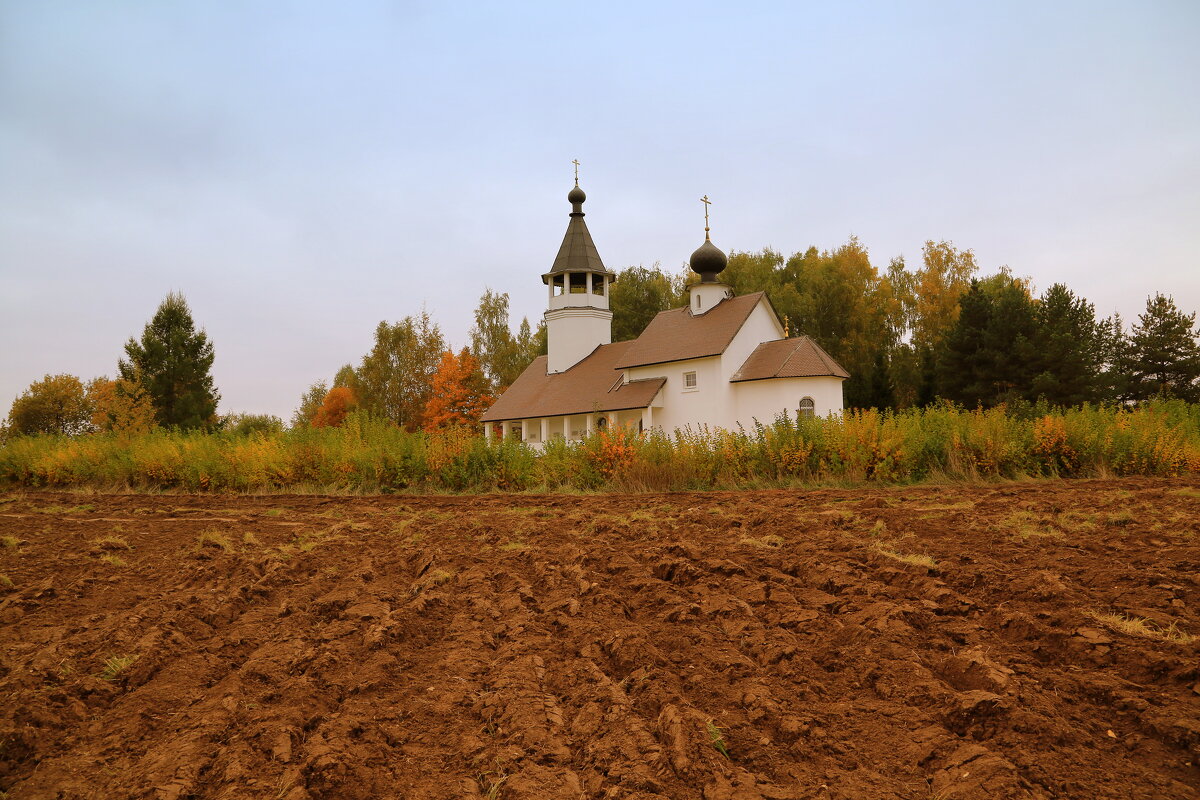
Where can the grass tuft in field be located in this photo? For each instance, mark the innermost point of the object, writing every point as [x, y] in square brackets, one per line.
[916, 560]
[114, 666]
[1139, 626]
[214, 537]
[716, 738]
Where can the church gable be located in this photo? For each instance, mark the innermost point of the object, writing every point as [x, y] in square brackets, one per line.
[679, 335]
[800, 357]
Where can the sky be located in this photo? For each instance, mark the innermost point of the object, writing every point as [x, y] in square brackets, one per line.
[303, 170]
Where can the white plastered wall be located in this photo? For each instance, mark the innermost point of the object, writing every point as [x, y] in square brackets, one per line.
[675, 406]
[715, 401]
[764, 400]
[573, 333]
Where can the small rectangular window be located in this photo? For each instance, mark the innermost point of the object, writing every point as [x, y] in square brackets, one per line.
[689, 380]
[597, 284]
[578, 283]
[558, 285]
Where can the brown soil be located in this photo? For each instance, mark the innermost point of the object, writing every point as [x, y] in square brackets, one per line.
[725, 646]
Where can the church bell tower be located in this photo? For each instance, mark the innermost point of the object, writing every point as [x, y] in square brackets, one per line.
[578, 319]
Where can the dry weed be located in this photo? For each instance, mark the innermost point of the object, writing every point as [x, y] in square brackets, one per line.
[1140, 626]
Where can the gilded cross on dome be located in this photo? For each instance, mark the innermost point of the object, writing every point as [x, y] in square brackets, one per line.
[707, 203]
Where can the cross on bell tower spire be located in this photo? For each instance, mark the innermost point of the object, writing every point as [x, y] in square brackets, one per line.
[576, 163]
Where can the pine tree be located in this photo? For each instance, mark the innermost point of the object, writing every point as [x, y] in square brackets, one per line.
[1164, 357]
[172, 362]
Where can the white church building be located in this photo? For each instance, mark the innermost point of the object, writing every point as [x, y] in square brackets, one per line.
[721, 362]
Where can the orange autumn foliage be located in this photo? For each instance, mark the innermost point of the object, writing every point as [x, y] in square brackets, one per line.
[458, 392]
[338, 402]
[122, 406]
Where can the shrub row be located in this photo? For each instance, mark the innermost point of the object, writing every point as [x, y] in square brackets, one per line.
[370, 455]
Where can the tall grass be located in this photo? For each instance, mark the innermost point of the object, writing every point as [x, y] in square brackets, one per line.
[369, 455]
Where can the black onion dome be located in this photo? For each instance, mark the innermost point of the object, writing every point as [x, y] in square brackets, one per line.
[707, 261]
[576, 195]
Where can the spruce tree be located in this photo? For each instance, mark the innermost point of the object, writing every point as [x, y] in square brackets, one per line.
[172, 362]
[1164, 357]
[1008, 347]
[1069, 350]
[962, 373]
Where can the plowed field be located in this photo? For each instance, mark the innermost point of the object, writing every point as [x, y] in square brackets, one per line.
[929, 642]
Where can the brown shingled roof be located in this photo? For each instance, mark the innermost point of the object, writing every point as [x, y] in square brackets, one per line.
[578, 252]
[592, 385]
[800, 357]
[677, 334]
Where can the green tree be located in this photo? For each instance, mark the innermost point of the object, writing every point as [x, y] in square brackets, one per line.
[840, 299]
[57, 404]
[1069, 350]
[923, 308]
[637, 295]
[1164, 357]
[172, 362]
[310, 404]
[345, 376]
[502, 357]
[393, 379]
[987, 356]
[961, 368]
[1114, 379]
[249, 424]
[539, 342]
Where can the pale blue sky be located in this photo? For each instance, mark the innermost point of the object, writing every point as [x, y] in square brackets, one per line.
[303, 170]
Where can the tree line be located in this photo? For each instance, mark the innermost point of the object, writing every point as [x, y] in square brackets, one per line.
[908, 337]
[164, 380]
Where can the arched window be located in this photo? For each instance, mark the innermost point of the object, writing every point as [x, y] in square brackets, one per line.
[807, 407]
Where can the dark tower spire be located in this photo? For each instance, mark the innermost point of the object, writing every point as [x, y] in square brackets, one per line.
[578, 319]
[708, 260]
[578, 252]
